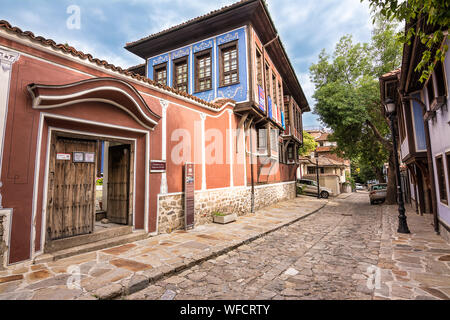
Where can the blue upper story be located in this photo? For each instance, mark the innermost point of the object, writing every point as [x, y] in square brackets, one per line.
[237, 91]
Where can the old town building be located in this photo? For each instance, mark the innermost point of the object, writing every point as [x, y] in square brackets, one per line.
[333, 169]
[423, 124]
[228, 101]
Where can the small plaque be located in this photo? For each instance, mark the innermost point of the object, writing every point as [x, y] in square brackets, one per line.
[78, 157]
[157, 166]
[89, 157]
[63, 156]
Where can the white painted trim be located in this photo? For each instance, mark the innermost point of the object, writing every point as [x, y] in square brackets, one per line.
[203, 139]
[230, 134]
[37, 105]
[164, 107]
[244, 147]
[7, 59]
[45, 191]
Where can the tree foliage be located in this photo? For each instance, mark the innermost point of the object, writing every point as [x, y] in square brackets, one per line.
[434, 13]
[347, 94]
[309, 144]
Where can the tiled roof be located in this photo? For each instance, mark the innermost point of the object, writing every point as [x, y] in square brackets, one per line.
[324, 149]
[323, 137]
[188, 22]
[327, 161]
[5, 25]
[391, 73]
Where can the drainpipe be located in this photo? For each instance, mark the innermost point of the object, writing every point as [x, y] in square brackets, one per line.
[430, 162]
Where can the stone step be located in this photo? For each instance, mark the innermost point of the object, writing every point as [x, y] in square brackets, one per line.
[99, 245]
[108, 233]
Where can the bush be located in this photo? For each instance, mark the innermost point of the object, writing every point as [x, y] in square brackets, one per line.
[99, 182]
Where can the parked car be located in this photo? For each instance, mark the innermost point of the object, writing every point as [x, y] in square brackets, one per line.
[377, 193]
[359, 186]
[310, 187]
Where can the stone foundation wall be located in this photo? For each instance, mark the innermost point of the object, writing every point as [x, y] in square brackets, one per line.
[444, 233]
[233, 200]
[2, 242]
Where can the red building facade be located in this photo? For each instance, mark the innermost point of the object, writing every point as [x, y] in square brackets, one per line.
[59, 106]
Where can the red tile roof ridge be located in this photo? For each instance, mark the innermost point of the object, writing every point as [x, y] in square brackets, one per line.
[74, 52]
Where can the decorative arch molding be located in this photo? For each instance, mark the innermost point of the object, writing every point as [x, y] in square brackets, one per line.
[111, 91]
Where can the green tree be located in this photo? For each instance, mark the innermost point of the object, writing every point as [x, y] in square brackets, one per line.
[309, 144]
[348, 97]
[426, 19]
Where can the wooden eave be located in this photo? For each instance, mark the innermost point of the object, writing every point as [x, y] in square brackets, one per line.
[250, 12]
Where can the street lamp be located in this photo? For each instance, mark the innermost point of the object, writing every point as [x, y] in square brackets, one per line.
[316, 155]
[390, 108]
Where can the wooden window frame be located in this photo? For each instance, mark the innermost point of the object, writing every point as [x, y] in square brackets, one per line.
[267, 77]
[174, 78]
[443, 80]
[259, 69]
[157, 68]
[279, 96]
[197, 56]
[261, 137]
[442, 188]
[222, 48]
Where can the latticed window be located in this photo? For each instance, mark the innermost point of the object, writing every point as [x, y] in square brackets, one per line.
[160, 74]
[181, 75]
[203, 72]
[268, 80]
[229, 65]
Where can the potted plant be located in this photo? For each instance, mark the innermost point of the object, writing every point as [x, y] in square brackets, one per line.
[223, 218]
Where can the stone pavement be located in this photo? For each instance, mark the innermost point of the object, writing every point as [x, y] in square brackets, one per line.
[348, 250]
[113, 272]
[416, 265]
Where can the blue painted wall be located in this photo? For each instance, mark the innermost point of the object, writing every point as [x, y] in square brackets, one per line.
[238, 92]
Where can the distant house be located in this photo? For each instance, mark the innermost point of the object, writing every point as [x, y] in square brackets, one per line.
[423, 124]
[332, 168]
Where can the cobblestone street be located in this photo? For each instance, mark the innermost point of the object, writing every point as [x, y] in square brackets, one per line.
[304, 248]
[328, 255]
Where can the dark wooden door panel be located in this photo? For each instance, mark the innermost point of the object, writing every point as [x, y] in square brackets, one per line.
[71, 204]
[118, 184]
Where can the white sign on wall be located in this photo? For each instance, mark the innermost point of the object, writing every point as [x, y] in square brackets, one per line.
[63, 156]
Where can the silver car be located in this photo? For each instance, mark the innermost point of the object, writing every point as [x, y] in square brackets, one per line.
[310, 187]
[377, 193]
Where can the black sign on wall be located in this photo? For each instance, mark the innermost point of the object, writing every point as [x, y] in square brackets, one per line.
[189, 197]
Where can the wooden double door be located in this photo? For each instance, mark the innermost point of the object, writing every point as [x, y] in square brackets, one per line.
[72, 186]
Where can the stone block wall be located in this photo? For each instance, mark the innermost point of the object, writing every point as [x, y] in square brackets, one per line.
[232, 200]
[2, 242]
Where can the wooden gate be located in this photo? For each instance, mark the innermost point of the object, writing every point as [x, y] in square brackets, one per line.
[118, 184]
[71, 192]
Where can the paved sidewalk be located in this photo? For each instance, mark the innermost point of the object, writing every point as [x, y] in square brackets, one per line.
[123, 270]
[416, 265]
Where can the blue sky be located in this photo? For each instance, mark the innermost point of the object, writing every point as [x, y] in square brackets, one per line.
[305, 26]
